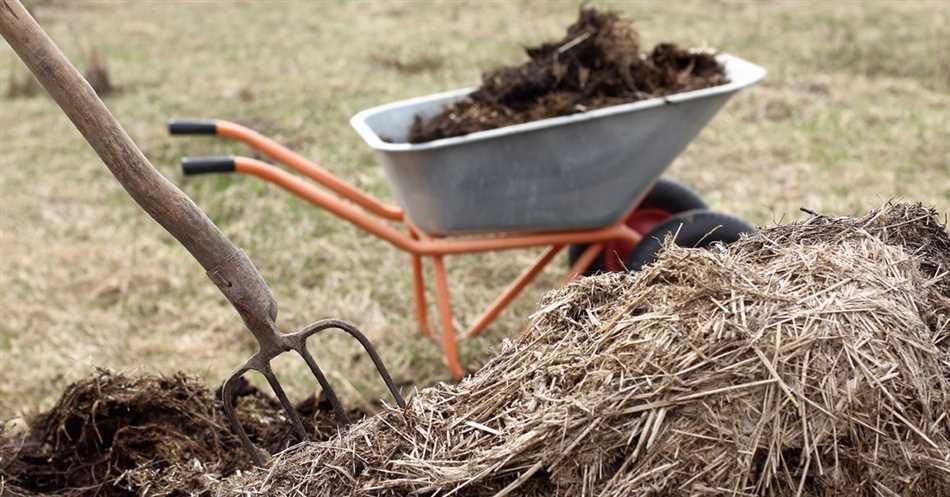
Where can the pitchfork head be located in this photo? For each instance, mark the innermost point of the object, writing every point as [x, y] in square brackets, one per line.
[272, 344]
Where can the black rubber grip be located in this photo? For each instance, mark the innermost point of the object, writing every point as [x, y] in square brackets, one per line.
[192, 127]
[205, 165]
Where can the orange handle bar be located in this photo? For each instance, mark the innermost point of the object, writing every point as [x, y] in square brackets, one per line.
[287, 157]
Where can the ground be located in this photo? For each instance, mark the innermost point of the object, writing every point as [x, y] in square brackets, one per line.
[855, 110]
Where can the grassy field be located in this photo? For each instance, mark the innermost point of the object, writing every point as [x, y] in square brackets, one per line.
[855, 110]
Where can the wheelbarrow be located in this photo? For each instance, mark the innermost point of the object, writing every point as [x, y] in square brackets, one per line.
[590, 181]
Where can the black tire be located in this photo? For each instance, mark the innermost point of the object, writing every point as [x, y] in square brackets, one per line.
[666, 195]
[697, 228]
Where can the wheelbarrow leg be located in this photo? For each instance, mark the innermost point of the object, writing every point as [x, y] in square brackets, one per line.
[419, 288]
[449, 343]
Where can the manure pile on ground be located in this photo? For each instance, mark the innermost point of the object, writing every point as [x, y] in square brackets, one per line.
[597, 64]
[114, 435]
[808, 359]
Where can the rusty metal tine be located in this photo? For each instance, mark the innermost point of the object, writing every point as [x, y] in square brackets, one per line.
[227, 398]
[300, 431]
[358, 335]
[341, 416]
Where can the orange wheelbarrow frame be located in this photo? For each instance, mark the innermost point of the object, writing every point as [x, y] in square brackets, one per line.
[376, 217]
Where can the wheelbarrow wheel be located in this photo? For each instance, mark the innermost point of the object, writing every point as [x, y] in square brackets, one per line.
[666, 199]
[699, 228]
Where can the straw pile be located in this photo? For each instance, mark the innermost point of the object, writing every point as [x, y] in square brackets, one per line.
[809, 359]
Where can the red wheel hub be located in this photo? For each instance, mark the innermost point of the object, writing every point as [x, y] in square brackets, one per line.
[643, 221]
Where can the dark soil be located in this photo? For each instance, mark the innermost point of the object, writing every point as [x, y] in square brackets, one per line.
[597, 64]
[117, 436]
[97, 74]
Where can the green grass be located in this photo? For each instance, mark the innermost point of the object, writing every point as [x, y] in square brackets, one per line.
[855, 110]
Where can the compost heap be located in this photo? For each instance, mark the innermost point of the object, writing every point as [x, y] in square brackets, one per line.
[116, 435]
[597, 64]
[808, 359]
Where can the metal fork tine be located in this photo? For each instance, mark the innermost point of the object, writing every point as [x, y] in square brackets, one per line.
[377, 361]
[227, 398]
[319, 326]
[300, 431]
[342, 418]
[273, 344]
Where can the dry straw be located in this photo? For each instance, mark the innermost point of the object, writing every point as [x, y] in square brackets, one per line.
[808, 359]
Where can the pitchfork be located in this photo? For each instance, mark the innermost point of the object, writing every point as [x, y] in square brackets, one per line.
[227, 266]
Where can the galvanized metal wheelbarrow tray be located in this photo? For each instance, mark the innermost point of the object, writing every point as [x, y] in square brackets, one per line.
[554, 182]
[580, 171]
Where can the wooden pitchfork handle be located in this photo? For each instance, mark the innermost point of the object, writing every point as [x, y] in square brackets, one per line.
[227, 266]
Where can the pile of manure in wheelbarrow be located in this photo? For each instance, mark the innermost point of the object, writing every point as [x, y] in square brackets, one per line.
[116, 435]
[808, 359]
[597, 64]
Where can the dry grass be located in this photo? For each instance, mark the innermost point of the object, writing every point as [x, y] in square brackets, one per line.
[418, 65]
[805, 360]
[22, 84]
[855, 110]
